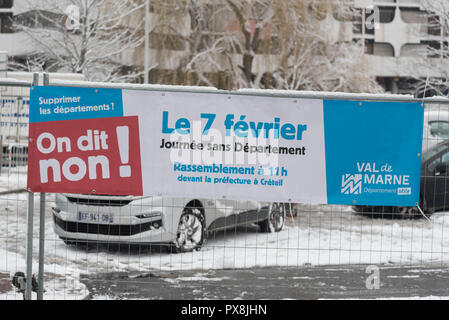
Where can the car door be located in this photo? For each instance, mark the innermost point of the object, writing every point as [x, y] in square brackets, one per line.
[229, 213]
[222, 213]
[436, 181]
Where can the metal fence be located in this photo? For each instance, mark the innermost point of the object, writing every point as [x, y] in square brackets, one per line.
[324, 251]
[14, 115]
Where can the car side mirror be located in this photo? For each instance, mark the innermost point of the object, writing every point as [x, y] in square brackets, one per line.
[441, 169]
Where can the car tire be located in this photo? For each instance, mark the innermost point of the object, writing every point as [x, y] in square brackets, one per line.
[276, 218]
[358, 209]
[413, 212]
[70, 242]
[190, 233]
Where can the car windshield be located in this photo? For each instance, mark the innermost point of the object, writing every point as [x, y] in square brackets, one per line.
[439, 129]
[433, 151]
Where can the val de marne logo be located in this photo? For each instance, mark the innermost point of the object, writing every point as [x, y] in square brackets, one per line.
[351, 184]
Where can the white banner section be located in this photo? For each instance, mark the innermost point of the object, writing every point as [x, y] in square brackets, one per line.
[230, 146]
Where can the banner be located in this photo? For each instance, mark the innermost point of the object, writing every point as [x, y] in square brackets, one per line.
[224, 145]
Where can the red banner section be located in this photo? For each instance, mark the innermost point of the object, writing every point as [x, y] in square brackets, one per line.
[78, 156]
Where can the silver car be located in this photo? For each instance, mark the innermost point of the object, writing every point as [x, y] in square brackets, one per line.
[183, 224]
[436, 126]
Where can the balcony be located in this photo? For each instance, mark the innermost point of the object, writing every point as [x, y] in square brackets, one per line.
[397, 67]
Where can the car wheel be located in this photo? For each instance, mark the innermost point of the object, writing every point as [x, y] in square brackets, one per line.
[190, 233]
[276, 218]
[408, 211]
[411, 212]
[358, 208]
[69, 242]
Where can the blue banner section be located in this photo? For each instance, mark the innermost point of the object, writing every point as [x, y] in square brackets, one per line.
[71, 103]
[373, 152]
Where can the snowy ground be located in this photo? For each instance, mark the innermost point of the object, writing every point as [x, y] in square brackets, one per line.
[321, 235]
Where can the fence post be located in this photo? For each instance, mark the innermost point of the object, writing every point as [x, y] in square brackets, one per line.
[29, 254]
[19, 102]
[29, 258]
[40, 289]
[40, 283]
[1, 151]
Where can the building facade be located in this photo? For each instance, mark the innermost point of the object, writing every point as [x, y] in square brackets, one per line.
[402, 30]
[392, 32]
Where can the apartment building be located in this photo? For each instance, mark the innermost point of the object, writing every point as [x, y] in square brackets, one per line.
[17, 44]
[403, 29]
[391, 30]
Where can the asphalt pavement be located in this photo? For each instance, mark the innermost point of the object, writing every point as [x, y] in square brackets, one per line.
[304, 283]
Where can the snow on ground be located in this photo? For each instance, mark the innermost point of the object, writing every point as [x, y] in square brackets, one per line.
[12, 178]
[64, 283]
[416, 298]
[385, 298]
[320, 235]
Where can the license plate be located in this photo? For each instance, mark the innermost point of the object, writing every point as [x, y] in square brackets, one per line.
[95, 217]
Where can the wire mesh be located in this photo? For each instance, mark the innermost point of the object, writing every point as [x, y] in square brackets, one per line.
[103, 247]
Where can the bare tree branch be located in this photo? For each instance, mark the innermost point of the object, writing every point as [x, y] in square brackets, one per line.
[102, 37]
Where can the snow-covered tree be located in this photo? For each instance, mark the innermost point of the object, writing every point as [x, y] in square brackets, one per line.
[267, 43]
[309, 58]
[433, 60]
[92, 37]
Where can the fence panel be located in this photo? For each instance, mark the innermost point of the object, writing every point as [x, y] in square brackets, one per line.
[103, 247]
[14, 106]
